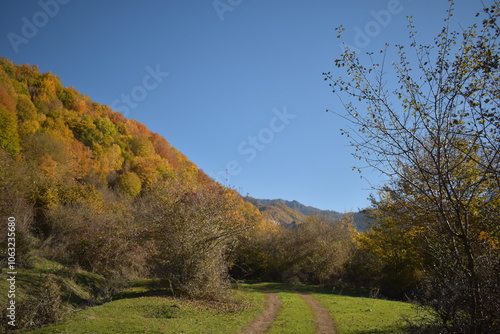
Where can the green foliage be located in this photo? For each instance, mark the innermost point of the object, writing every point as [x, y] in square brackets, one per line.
[107, 130]
[84, 128]
[67, 97]
[20, 88]
[93, 132]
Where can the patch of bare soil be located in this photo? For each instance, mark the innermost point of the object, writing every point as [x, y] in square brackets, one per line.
[322, 318]
[262, 323]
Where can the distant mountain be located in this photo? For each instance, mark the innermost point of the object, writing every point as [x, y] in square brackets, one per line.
[295, 205]
[290, 213]
[282, 214]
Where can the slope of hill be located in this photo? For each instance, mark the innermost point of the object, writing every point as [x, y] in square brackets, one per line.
[95, 191]
[100, 196]
[71, 150]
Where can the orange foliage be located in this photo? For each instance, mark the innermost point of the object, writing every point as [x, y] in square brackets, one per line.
[86, 155]
[161, 146]
[203, 178]
[48, 165]
[135, 128]
[6, 99]
[116, 117]
[79, 105]
[82, 159]
[147, 169]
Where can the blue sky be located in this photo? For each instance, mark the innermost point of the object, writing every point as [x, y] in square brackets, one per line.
[236, 85]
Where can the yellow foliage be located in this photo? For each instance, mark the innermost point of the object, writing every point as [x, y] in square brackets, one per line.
[9, 136]
[111, 159]
[28, 127]
[45, 87]
[130, 184]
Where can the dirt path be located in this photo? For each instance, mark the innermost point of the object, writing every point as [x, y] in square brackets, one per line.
[322, 318]
[260, 324]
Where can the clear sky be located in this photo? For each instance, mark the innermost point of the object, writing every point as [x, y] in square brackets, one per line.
[236, 85]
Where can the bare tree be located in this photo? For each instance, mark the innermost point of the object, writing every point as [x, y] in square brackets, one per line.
[431, 125]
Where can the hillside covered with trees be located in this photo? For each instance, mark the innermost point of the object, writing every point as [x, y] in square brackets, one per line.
[94, 201]
[101, 194]
[93, 189]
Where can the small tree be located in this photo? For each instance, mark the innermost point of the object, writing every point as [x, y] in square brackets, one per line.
[436, 135]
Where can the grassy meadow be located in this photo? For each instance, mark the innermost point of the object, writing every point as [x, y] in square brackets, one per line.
[141, 309]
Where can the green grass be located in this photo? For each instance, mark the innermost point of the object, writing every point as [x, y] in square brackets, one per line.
[357, 315]
[142, 308]
[158, 315]
[76, 287]
[351, 314]
[295, 316]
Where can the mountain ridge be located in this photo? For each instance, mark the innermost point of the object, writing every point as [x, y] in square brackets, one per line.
[273, 209]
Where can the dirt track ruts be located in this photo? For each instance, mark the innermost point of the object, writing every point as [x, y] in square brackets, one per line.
[322, 318]
[266, 318]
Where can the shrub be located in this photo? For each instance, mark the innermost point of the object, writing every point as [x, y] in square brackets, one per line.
[40, 305]
[94, 241]
[191, 231]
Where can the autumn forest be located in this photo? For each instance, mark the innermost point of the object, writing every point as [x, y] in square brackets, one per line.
[112, 202]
